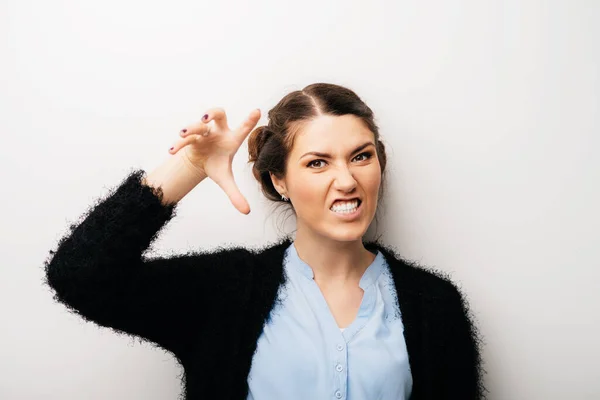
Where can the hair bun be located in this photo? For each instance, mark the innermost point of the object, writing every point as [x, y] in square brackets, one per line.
[257, 140]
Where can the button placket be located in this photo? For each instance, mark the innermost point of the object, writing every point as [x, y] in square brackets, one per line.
[340, 363]
[340, 366]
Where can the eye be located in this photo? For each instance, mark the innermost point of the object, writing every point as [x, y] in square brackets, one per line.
[314, 161]
[367, 155]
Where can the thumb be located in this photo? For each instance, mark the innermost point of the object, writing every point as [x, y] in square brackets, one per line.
[227, 183]
[246, 127]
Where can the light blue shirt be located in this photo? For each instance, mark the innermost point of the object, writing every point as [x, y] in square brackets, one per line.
[303, 354]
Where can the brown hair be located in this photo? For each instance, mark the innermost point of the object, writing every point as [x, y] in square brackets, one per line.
[269, 146]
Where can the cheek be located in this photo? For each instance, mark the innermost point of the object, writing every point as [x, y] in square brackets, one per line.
[309, 196]
[371, 180]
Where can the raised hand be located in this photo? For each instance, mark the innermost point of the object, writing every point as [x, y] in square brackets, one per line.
[211, 148]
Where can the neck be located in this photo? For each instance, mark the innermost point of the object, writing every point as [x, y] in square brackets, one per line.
[333, 261]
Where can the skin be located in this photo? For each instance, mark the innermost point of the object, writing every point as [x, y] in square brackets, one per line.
[331, 246]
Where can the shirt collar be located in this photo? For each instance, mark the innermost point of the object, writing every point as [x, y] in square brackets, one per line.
[293, 260]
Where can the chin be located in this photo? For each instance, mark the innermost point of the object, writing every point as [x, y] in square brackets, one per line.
[346, 234]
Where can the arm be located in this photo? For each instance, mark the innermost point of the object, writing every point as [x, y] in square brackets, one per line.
[175, 178]
[99, 272]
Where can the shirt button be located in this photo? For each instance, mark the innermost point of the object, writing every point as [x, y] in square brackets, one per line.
[338, 394]
[340, 347]
[339, 368]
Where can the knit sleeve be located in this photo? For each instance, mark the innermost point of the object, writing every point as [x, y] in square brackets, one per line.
[99, 271]
[462, 359]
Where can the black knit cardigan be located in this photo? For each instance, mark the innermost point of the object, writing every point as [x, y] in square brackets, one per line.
[208, 307]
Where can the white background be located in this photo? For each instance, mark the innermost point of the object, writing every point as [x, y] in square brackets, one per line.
[490, 110]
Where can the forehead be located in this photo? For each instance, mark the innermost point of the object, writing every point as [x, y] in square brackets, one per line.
[331, 133]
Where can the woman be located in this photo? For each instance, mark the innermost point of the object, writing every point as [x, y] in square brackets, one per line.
[325, 315]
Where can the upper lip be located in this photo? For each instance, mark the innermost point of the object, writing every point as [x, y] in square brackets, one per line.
[345, 199]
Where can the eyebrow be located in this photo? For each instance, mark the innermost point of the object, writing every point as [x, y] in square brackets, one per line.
[325, 155]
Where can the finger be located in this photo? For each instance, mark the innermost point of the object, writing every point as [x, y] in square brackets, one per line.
[227, 183]
[198, 128]
[180, 144]
[218, 115]
[246, 127]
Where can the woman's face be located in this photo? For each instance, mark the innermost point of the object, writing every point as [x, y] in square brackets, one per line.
[347, 168]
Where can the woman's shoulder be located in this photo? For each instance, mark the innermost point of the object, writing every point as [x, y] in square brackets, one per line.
[271, 251]
[267, 256]
[416, 276]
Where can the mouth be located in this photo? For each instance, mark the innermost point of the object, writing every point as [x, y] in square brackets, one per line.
[349, 214]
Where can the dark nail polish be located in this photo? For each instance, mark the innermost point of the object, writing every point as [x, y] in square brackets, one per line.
[205, 117]
[184, 130]
[171, 148]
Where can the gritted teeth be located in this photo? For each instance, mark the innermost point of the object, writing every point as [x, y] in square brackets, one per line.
[346, 204]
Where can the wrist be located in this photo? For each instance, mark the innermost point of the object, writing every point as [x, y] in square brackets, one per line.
[176, 177]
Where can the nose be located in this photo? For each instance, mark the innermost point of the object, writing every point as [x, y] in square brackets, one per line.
[344, 180]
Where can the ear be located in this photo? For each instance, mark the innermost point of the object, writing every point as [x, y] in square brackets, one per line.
[279, 184]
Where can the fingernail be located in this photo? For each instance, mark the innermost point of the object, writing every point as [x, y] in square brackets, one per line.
[184, 130]
[205, 117]
[171, 148]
